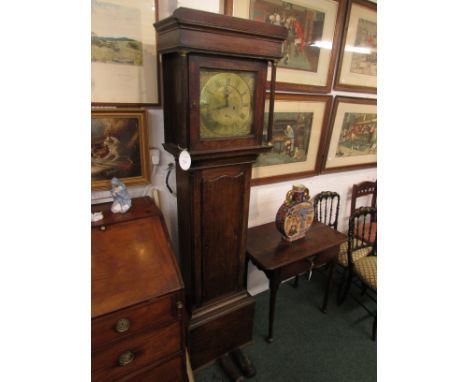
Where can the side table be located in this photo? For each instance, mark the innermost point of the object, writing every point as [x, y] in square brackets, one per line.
[281, 260]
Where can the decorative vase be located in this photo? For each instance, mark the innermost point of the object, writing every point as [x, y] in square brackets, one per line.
[296, 214]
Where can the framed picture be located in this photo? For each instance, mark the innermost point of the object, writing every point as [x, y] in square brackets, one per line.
[119, 147]
[310, 50]
[124, 64]
[357, 66]
[352, 135]
[299, 122]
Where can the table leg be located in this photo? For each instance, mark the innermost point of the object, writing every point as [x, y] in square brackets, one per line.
[274, 285]
[296, 281]
[329, 285]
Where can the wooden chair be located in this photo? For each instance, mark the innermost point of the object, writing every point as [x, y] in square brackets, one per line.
[326, 211]
[360, 245]
[362, 268]
[366, 272]
[364, 189]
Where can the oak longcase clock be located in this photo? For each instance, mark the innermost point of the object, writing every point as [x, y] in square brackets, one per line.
[215, 70]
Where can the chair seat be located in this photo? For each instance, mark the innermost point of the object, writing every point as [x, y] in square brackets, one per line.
[357, 254]
[366, 270]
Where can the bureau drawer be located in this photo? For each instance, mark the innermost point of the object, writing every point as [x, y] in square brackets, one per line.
[128, 321]
[135, 352]
[170, 371]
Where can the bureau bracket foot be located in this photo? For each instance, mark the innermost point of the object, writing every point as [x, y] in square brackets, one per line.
[244, 363]
[230, 369]
[236, 365]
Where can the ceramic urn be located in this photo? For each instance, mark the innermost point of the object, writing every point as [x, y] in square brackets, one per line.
[296, 214]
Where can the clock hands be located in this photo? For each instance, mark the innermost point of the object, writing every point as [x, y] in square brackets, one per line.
[225, 103]
[226, 97]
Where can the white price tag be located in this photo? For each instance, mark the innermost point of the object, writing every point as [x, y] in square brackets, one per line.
[184, 160]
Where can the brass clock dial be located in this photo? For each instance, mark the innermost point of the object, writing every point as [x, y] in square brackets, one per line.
[226, 103]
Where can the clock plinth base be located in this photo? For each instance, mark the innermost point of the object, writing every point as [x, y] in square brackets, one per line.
[220, 328]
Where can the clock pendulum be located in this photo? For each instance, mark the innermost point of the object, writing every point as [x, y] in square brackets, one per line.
[214, 76]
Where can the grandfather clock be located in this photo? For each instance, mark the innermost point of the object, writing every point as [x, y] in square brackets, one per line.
[214, 84]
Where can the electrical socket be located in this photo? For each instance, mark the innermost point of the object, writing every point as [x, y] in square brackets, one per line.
[155, 156]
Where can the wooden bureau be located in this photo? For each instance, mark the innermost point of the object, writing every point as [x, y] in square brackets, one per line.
[137, 326]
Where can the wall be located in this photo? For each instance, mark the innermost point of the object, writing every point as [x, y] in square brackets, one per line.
[264, 200]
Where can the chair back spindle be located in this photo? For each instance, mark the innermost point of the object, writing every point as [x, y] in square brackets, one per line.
[327, 208]
[360, 234]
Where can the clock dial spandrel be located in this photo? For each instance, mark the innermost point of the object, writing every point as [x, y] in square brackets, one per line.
[226, 103]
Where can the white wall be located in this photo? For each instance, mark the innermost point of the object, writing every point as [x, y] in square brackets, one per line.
[264, 200]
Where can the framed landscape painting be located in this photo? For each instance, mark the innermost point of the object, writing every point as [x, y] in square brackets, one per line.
[119, 147]
[352, 135]
[124, 65]
[314, 28]
[299, 122]
[357, 67]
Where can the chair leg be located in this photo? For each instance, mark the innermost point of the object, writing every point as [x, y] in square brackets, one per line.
[374, 328]
[327, 290]
[345, 285]
[364, 289]
[341, 286]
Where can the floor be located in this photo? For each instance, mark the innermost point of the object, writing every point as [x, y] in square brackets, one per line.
[308, 345]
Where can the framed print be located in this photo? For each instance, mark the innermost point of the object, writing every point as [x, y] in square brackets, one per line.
[357, 66]
[299, 122]
[310, 49]
[119, 147]
[352, 135]
[124, 65]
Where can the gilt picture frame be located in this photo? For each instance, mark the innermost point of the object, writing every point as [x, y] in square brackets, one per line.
[314, 30]
[119, 147]
[357, 64]
[351, 141]
[298, 133]
[124, 60]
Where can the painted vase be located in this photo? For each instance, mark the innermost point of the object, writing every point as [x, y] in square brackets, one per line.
[296, 214]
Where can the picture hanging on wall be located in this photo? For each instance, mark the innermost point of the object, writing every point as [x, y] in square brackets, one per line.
[299, 122]
[357, 66]
[124, 65]
[314, 28]
[119, 147]
[352, 135]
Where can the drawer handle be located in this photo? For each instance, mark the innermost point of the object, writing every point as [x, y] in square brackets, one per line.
[102, 228]
[122, 325]
[126, 358]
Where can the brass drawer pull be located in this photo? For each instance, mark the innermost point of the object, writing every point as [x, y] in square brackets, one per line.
[122, 325]
[102, 228]
[126, 358]
[180, 304]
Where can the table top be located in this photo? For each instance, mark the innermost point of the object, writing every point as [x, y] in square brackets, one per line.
[267, 248]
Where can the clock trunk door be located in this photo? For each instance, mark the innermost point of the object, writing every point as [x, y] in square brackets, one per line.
[223, 207]
[226, 102]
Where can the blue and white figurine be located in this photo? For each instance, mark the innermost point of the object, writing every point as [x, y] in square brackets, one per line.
[122, 201]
